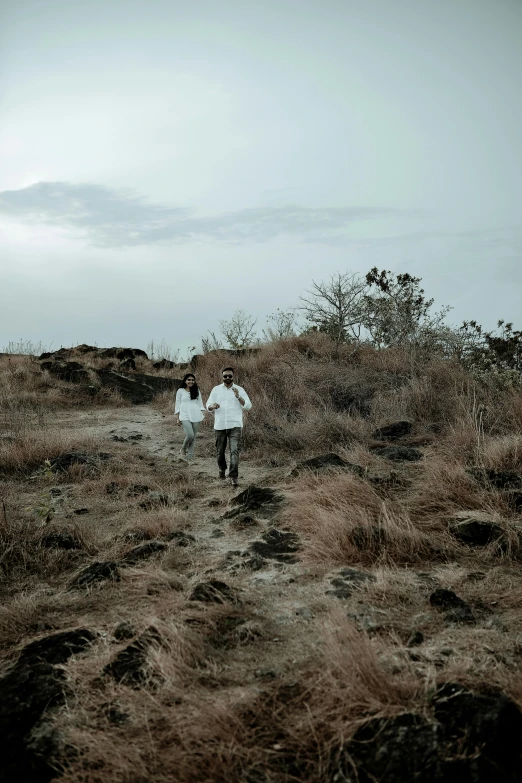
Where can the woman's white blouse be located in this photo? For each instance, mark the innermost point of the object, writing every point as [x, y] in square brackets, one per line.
[189, 410]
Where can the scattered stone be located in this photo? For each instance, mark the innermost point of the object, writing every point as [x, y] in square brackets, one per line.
[130, 666]
[112, 488]
[500, 479]
[180, 538]
[213, 502]
[393, 431]
[474, 531]
[277, 545]
[455, 609]
[124, 630]
[143, 552]
[476, 576]
[326, 462]
[398, 453]
[304, 612]
[61, 539]
[213, 591]
[68, 458]
[128, 364]
[114, 715]
[217, 534]
[155, 500]
[28, 692]
[80, 511]
[95, 573]
[350, 579]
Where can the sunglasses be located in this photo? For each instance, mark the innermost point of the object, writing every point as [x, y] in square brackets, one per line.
[228, 376]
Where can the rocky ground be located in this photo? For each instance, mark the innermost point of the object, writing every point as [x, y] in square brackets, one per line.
[159, 625]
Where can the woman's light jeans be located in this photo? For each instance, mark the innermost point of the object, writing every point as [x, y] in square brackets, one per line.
[191, 430]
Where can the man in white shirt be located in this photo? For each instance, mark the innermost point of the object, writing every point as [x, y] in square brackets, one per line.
[228, 402]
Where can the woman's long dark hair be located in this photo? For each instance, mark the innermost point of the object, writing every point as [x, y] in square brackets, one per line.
[194, 390]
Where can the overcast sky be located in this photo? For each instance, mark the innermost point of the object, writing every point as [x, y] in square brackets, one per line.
[163, 163]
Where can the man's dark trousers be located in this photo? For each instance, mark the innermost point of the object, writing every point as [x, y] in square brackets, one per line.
[233, 437]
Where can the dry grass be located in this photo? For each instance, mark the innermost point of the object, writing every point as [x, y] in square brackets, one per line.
[264, 688]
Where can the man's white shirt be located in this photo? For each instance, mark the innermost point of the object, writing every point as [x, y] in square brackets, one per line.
[230, 411]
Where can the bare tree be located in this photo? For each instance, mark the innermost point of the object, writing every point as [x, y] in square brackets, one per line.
[239, 331]
[336, 306]
[282, 324]
[210, 343]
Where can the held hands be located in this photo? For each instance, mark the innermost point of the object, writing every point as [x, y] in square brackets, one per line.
[214, 406]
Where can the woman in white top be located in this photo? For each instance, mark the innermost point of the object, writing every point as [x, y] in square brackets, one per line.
[190, 412]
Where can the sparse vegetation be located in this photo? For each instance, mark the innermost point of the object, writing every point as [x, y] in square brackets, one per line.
[277, 636]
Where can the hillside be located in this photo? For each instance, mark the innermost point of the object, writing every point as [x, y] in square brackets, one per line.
[351, 613]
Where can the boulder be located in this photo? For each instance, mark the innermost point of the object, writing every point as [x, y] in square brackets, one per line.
[474, 531]
[325, 462]
[130, 666]
[349, 579]
[277, 545]
[483, 732]
[95, 573]
[138, 388]
[143, 552]
[499, 479]
[28, 692]
[61, 539]
[164, 364]
[73, 372]
[394, 431]
[64, 461]
[214, 591]
[398, 453]
[454, 608]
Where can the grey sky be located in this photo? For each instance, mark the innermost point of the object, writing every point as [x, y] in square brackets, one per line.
[163, 163]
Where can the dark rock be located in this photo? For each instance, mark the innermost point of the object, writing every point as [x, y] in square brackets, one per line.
[245, 522]
[393, 431]
[129, 388]
[453, 607]
[164, 364]
[128, 364]
[213, 591]
[398, 453]
[58, 647]
[130, 666]
[402, 749]
[28, 692]
[80, 511]
[350, 579]
[61, 539]
[155, 500]
[115, 716]
[180, 538]
[415, 638]
[137, 489]
[277, 545]
[121, 353]
[64, 461]
[253, 498]
[325, 462]
[484, 734]
[143, 552]
[95, 573]
[355, 400]
[500, 479]
[513, 498]
[73, 372]
[124, 630]
[474, 532]
[112, 488]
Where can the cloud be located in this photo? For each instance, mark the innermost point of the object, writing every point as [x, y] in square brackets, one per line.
[115, 218]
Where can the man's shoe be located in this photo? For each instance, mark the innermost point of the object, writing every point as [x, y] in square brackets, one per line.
[222, 474]
[234, 482]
